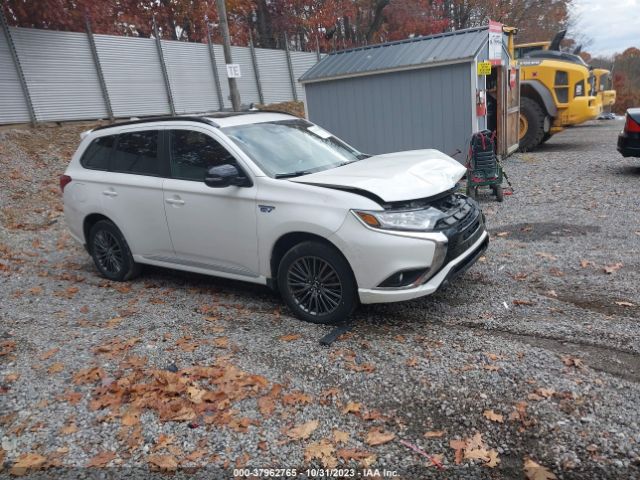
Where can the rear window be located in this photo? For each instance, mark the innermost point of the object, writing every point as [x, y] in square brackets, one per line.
[137, 152]
[96, 156]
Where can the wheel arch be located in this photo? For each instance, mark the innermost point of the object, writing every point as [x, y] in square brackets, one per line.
[539, 93]
[88, 223]
[289, 240]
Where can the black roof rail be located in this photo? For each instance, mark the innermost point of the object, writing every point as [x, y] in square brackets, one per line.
[164, 118]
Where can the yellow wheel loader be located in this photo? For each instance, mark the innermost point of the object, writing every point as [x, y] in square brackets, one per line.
[557, 90]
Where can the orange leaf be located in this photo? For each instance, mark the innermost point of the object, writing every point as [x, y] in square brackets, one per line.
[289, 338]
[101, 460]
[27, 462]
[164, 463]
[304, 431]
[376, 436]
[434, 434]
[493, 416]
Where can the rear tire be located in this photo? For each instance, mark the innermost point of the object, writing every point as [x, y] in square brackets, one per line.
[546, 137]
[499, 193]
[317, 284]
[531, 124]
[111, 253]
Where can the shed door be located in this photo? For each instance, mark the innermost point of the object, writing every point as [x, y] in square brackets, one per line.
[508, 109]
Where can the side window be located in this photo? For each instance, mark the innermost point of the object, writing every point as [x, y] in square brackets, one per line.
[137, 152]
[193, 153]
[96, 156]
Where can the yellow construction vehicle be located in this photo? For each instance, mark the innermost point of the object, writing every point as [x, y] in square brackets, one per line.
[604, 88]
[557, 90]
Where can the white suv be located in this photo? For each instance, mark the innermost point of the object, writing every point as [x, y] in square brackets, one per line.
[271, 199]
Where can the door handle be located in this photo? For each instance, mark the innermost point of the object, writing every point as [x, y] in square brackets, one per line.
[174, 201]
[110, 193]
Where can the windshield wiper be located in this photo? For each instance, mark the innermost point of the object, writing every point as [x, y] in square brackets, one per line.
[292, 174]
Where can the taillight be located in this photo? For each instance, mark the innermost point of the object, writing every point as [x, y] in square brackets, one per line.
[64, 181]
[631, 126]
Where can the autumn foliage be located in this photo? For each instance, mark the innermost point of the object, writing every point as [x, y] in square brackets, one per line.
[308, 24]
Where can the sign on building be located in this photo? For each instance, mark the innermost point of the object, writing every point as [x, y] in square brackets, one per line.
[484, 68]
[495, 42]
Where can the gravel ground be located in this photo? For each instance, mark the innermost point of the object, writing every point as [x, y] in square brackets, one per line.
[531, 356]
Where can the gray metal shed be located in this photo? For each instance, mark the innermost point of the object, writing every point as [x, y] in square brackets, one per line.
[412, 94]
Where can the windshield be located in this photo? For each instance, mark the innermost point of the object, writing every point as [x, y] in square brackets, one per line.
[291, 148]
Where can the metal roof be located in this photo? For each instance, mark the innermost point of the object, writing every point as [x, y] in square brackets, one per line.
[443, 48]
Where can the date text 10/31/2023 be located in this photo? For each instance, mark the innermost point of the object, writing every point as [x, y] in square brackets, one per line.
[313, 473]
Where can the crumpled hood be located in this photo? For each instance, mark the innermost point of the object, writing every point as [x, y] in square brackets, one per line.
[394, 176]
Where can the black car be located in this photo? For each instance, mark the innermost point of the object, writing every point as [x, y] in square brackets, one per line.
[629, 138]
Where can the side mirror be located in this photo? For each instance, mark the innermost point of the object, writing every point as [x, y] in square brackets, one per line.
[225, 175]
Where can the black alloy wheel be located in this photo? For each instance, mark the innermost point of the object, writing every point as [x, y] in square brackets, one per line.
[317, 283]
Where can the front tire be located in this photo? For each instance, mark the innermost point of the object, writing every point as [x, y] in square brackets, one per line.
[111, 253]
[532, 119]
[317, 284]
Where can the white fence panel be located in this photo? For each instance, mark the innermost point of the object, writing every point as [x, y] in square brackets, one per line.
[60, 73]
[274, 75]
[191, 76]
[133, 75]
[13, 105]
[247, 82]
[222, 75]
[301, 62]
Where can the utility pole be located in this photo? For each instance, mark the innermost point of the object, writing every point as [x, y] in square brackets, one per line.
[226, 43]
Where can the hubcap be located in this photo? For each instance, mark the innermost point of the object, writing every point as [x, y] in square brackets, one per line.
[524, 126]
[315, 285]
[108, 252]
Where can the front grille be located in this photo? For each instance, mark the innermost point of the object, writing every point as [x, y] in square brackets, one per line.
[463, 224]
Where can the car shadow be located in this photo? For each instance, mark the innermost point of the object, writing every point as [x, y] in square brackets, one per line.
[630, 170]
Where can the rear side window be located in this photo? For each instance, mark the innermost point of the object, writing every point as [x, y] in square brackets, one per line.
[96, 156]
[137, 152]
[193, 153]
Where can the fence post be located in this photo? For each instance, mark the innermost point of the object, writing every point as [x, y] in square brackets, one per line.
[256, 71]
[16, 62]
[96, 62]
[214, 66]
[317, 49]
[163, 66]
[291, 75]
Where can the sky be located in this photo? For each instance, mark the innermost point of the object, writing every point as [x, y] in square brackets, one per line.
[612, 25]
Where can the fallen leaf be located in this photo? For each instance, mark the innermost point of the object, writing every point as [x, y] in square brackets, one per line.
[164, 463]
[11, 377]
[434, 434]
[625, 304]
[546, 255]
[551, 293]
[114, 322]
[49, 353]
[56, 368]
[493, 416]
[101, 460]
[535, 471]
[304, 431]
[351, 454]
[609, 269]
[545, 392]
[27, 462]
[352, 407]
[323, 451]
[411, 362]
[69, 429]
[522, 302]
[572, 362]
[502, 234]
[585, 263]
[221, 342]
[291, 337]
[340, 436]
[377, 436]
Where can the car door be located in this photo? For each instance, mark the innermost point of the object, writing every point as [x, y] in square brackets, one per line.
[131, 192]
[211, 228]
